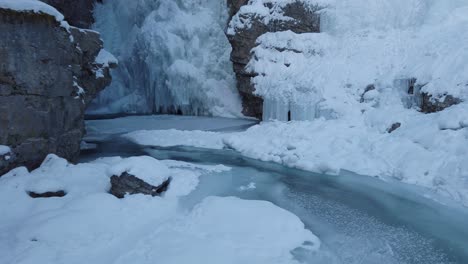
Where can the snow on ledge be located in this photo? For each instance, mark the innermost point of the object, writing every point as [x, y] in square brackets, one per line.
[106, 58]
[36, 7]
[4, 150]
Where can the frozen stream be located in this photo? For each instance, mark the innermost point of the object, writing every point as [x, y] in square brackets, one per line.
[358, 219]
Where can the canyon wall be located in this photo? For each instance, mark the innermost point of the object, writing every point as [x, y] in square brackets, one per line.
[49, 72]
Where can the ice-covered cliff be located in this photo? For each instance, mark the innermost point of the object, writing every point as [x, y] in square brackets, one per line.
[174, 57]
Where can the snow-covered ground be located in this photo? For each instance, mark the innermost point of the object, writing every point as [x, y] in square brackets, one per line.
[90, 225]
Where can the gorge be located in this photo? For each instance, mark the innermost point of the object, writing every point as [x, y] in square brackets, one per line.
[255, 126]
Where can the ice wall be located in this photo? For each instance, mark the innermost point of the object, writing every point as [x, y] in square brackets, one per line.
[173, 54]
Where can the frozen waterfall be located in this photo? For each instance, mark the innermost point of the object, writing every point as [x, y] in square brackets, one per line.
[174, 58]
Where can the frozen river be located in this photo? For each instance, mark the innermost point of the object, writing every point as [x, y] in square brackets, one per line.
[359, 219]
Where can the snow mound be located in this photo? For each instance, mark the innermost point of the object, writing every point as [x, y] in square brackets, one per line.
[228, 228]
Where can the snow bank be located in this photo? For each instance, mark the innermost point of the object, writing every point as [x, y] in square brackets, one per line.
[35, 6]
[221, 230]
[89, 225]
[427, 150]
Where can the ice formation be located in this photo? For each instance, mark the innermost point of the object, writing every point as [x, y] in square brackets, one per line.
[174, 58]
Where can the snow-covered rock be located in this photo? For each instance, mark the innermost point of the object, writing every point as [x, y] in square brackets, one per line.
[145, 168]
[78, 13]
[252, 20]
[127, 184]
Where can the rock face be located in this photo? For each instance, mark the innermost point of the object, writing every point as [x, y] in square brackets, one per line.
[48, 74]
[304, 19]
[129, 184]
[78, 13]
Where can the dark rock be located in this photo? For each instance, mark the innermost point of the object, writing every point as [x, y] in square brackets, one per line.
[411, 85]
[41, 72]
[129, 184]
[78, 13]
[369, 88]
[234, 6]
[305, 19]
[431, 104]
[47, 194]
[394, 127]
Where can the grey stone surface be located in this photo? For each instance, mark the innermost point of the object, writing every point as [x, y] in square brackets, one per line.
[394, 127]
[41, 70]
[129, 184]
[305, 20]
[78, 13]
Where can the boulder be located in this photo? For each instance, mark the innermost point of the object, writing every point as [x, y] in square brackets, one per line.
[129, 184]
[303, 18]
[48, 75]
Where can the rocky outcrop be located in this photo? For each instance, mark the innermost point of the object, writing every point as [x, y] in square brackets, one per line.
[432, 104]
[302, 18]
[129, 184]
[48, 74]
[78, 13]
